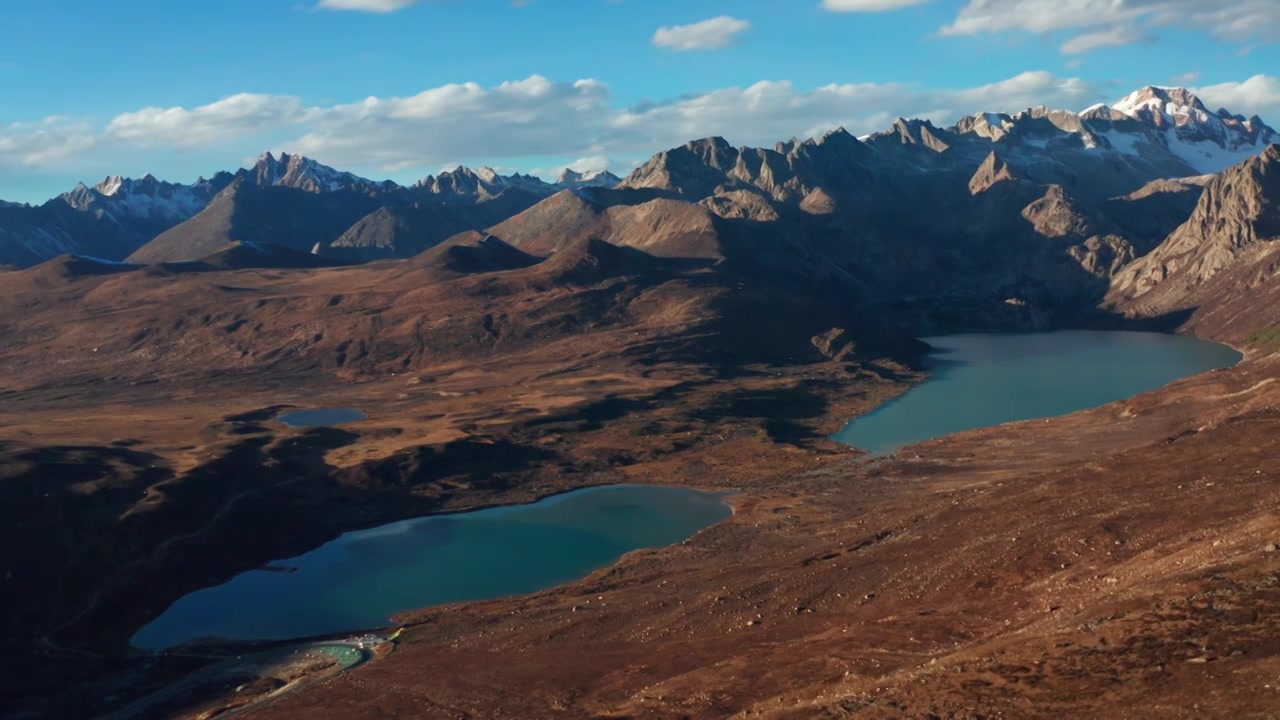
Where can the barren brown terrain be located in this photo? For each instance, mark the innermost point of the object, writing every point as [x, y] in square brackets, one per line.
[1115, 562]
[1112, 563]
[1088, 564]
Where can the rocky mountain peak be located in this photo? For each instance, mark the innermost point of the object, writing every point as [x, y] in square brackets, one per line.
[303, 173]
[570, 178]
[1164, 105]
[715, 151]
[486, 173]
[919, 132]
[842, 141]
[482, 183]
[1239, 209]
[992, 171]
[110, 185]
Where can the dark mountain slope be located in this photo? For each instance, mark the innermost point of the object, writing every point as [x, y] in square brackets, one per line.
[289, 217]
[407, 230]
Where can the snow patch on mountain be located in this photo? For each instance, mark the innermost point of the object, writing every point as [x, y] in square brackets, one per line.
[145, 197]
[1123, 142]
[1175, 119]
[1208, 158]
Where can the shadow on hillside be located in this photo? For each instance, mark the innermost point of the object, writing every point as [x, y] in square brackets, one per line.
[1166, 323]
[782, 410]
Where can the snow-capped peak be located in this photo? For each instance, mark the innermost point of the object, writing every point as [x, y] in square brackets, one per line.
[483, 182]
[303, 173]
[570, 178]
[1178, 106]
[1156, 127]
[110, 186]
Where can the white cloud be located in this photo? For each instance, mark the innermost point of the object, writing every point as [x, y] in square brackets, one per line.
[524, 118]
[1259, 95]
[714, 34]
[228, 118]
[851, 6]
[593, 163]
[775, 110]
[1104, 23]
[513, 123]
[1109, 37]
[374, 6]
[1187, 78]
[45, 143]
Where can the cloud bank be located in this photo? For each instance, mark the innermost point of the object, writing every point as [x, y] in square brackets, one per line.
[526, 121]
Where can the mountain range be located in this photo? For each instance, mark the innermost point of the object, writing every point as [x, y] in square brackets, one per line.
[118, 216]
[1012, 218]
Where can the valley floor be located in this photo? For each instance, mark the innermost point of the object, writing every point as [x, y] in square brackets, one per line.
[1111, 563]
[1105, 564]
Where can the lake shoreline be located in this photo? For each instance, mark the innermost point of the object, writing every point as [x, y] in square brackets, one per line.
[731, 451]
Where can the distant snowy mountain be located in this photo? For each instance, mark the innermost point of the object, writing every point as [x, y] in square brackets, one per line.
[1102, 151]
[126, 198]
[119, 215]
[1175, 119]
[303, 173]
[570, 179]
[485, 182]
[109, 220]
[1164, 132]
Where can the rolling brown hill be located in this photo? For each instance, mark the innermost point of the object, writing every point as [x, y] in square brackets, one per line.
[473, 252]
[660, 226]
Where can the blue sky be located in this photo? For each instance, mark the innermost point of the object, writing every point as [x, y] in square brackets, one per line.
[399, 89]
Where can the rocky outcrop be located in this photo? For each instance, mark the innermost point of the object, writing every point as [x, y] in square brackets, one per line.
[993, 170]
[1223, 261]
[303, 173]
[1237, 211]
[1057, 215]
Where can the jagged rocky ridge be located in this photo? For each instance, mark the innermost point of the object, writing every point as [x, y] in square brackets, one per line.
[115, 218]
[1100, 187]
[1221, 265]
[998, 221]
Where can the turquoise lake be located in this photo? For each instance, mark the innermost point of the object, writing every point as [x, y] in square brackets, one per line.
[360, 579]
[983, 379]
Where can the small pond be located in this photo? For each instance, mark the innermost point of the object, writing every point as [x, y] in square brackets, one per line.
[322, 417]
[360, 579]
[986, 379]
